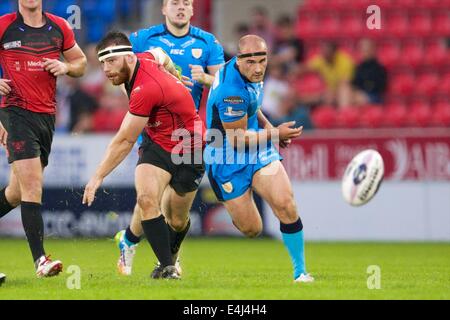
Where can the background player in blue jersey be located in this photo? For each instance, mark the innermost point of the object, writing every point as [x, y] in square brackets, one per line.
[195, 51]
[241, 157]
[198, 56]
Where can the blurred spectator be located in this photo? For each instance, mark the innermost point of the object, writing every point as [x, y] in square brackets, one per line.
[262, 26]
[290, 110]
[113, 107]
[289, 49]
[94, 79]
[76, 107]
[370, 80]
[336, 67]
[275, 87]
[240, 30]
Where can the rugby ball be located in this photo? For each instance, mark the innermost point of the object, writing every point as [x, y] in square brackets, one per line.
[362, 177]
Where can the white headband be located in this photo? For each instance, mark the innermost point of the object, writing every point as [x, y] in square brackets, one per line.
[113, 52]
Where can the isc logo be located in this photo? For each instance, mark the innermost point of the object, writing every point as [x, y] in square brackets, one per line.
[178, 52]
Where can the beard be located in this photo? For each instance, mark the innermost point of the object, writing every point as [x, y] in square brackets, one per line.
[122, 76]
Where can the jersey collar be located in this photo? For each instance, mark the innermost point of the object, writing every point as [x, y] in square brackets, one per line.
[20, 18]
[178, 37]
[129, 85]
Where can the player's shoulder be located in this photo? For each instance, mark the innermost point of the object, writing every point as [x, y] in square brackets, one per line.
[7, 19]
[149, 32]
[60, 21]
[203, 35]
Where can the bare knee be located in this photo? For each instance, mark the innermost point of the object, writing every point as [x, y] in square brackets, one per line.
[13, 195]
[250, 230]
[178, 223]
[149, 206]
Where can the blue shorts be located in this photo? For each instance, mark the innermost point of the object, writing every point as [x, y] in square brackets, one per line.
[230, 181]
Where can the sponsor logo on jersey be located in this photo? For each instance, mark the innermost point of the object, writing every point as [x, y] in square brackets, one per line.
[12, 45]
[177, 52]
[231, 113]
[155, 124]
[35, 64]
[197, 53]
[228, 187]
[233, 100]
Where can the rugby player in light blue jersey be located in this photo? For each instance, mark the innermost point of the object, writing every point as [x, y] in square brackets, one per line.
[198, 56]
[241, 156]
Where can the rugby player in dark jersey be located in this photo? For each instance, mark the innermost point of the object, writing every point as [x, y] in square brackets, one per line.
[163, 106]
[31, 43]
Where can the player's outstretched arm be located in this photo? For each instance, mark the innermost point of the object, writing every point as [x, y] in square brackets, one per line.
[74, 65]
[118, 149]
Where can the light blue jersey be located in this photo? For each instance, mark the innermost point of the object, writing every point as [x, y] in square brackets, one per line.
[231, 98]
[198, 47]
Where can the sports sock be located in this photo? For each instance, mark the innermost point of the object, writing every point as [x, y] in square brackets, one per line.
[33, 224]
[5, 207]
[176, 238]
[130, 238]
[293, 239]
[157, 235]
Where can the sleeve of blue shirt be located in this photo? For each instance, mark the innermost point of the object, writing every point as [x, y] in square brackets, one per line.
[216, 55]
[232, 104]
[135, 42]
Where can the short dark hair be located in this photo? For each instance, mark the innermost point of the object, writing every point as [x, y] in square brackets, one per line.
[116, 38]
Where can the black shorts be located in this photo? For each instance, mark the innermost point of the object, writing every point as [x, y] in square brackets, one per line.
[185, 177]
[30, 134]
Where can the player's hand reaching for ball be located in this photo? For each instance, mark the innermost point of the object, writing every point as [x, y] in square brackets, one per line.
[5, 89]
[286, 132]
[90, 190]
[56, 67]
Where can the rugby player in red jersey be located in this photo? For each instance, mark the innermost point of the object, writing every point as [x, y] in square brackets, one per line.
[163, 106]
[31, 42]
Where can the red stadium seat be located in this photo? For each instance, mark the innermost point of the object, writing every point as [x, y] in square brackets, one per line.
[441, 23]
[395, 115]
[309, 85]
[389, 53]
[436, 54]
[352, 25]
[420, 23]
[316, 4]
[441, 114]
[324, 117]
[329, 26]
[404, 3]
[372, 116]
[397, 23]
[402, 84]
[307, 27]
[412, 54]
[349, 117]
[444, 85]
[427, 84]
[420, 115]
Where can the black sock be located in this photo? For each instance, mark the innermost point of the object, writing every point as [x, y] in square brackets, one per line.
[131, 236]
[158, 236]
[5, 207]
[176, 238]
[33, 224]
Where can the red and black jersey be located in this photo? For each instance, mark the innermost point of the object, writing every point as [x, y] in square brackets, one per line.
[158, 95]
[22, 49]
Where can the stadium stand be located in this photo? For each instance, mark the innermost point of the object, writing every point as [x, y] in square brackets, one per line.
[412, 45]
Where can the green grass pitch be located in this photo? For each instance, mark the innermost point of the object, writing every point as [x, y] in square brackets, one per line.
[234, 269]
